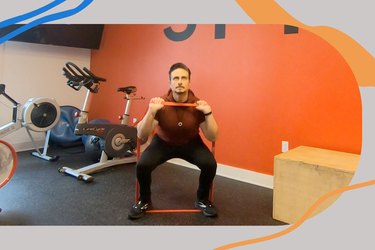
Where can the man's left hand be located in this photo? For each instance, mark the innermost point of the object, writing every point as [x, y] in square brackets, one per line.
[203, 106]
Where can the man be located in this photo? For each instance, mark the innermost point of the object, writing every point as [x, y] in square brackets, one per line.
[177, 136]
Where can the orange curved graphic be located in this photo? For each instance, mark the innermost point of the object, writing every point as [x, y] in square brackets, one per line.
[308, 213]
[359, 59]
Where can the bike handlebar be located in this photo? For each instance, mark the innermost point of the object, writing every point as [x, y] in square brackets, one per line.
[78, 78]
[97, 79]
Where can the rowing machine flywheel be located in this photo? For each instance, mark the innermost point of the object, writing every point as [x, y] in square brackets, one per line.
[40, 114]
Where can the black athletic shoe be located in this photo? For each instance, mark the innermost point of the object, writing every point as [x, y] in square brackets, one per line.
[207, 208]
[138, 210]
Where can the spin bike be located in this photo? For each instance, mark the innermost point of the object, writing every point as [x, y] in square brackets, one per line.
[38, 114]
[120, 140]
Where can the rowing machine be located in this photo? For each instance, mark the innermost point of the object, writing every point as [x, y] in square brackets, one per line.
[38, 114]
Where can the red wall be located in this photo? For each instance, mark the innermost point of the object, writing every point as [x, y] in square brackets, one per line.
[263, 86]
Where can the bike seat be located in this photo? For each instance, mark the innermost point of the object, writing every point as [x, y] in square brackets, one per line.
[128, 90]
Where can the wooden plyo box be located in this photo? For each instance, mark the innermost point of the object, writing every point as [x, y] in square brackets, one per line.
[303, 174]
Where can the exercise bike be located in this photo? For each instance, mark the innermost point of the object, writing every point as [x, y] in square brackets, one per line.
[120, 140]
[38, 114]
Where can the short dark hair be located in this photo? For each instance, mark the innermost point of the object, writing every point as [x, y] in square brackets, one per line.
[179, 66]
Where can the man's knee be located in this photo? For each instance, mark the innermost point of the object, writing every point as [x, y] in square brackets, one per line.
[208, 164]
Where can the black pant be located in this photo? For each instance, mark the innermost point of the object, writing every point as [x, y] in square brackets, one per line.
[158, 152]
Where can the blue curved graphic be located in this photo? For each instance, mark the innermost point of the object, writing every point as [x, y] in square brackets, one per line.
[30, 14]
[45, 19]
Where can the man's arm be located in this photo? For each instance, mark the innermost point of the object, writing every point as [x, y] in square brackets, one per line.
[209, 126]
[148, 122]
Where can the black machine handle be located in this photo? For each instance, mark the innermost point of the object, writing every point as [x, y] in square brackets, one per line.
[2, 92]
[2, 88]
[15, 104]
[81, 77]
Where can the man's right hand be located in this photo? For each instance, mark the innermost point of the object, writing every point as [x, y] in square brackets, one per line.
[155, 105]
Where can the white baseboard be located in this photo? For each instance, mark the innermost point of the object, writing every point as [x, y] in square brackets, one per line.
[24, 146]
[21, 141]
[234, 173]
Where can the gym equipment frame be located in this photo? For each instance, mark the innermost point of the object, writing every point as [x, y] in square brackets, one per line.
[38, 114]
[120, 139]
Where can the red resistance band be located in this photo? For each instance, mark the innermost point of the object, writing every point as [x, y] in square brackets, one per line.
[179, 104]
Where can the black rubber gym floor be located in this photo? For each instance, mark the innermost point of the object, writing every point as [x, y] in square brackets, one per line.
[39, 195]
